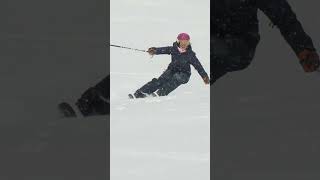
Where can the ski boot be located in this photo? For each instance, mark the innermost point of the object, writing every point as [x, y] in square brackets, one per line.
[92, 102]
[137, 94]
[66, 110]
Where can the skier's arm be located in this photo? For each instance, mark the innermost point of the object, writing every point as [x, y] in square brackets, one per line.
[160, 50]
[197, 65]
[282, 16]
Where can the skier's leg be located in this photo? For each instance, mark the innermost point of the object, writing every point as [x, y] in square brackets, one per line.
[95, 100]
[242, 51]
[176, 80]
[153, 85]
[231, 54]
[219, 51]
[104, 87]
[216, 73]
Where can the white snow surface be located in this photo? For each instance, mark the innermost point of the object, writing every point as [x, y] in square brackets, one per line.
[164, 137]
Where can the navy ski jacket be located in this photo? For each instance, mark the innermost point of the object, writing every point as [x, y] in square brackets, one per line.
[180, 62]
[239, 18]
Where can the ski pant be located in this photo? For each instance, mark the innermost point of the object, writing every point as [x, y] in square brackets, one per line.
[231, 54]
[166, 83]
[104, 87]
[95, 100]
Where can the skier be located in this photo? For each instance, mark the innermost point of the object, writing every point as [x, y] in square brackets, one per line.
[234, 36]
[94, 101]
[178, 71]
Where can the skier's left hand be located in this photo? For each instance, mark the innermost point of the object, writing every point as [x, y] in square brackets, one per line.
[309, 60]
[152, 51]
[206, 80]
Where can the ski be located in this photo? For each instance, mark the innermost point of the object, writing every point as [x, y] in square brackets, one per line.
[66, 110]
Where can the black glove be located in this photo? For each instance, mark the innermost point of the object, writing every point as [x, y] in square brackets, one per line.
[309, 60]
[152, 51]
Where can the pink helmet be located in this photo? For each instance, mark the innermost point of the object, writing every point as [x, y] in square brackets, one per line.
[183, 36]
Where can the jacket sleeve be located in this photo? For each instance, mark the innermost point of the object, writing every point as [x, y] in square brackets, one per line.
[282, 16]
[197, 65]
[164, 50]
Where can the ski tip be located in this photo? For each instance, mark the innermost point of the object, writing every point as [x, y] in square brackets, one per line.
[66, 110]
[154, 94]
[131, 96]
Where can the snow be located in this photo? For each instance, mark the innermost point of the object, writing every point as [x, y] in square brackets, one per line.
[164, 137]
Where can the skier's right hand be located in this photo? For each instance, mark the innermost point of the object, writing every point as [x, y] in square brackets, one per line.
[206, 80]
[152, 51]
[309, 60]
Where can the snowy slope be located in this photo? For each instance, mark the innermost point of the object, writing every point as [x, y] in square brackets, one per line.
[167, 137]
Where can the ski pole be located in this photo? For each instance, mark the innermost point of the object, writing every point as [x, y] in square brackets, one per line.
[123, 47]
